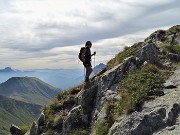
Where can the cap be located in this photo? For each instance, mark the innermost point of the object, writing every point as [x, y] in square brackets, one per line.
[88, 43]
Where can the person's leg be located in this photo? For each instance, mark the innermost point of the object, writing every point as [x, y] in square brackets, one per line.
[88, 71]
[88, 67]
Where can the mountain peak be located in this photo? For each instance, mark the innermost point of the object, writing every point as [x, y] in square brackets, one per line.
[28, 89]
[99, 67]
[7, 69]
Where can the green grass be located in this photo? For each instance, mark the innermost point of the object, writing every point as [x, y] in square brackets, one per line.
[127, 52]
[6, 119]
[64, 103]
[58, 121]
[80, 131]
[173, 49]
[102, 127]
[24, 129]
[140, 86]
[167, 48]
[174, 29]
[16, 112]
[72, 91]
[176, 64]
[28, 89]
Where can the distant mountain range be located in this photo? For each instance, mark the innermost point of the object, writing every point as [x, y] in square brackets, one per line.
[99, 67]
[21, 100]
[7, 69]
[18, 112]
[28, 89]
[60, 78]
[23, 94]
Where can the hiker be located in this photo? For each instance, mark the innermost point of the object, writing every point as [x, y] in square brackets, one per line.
[86, 59]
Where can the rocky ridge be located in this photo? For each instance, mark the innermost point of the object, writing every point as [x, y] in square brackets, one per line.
[86, 107]
[159, 116]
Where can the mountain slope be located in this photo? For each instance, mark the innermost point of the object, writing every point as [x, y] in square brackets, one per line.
[17, 112]
[28, 89]
[124, 97]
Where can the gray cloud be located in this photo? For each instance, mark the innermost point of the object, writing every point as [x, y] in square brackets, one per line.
[149, 18]
[105, 22]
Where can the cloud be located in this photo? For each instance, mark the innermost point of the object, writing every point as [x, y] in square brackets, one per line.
[52, 31]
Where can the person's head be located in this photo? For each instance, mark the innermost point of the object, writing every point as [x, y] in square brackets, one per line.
[88, 44]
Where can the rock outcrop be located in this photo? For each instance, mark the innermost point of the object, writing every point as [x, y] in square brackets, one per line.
[161, 113]
[15, 130]
[174, 57]
[104, 88]
[157, 116]
[37, 126]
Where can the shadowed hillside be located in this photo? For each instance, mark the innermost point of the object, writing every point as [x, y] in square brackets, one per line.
[28, 89]
[17, 112]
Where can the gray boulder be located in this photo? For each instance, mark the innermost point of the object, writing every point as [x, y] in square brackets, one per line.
[74, 116]
[37, 127]
[110, 79]
[177, 41]
[174, 57]
[173, 114]
[138, 124]
[41, 119]
[149, 53]
[86, 98]
[15, 130]
[34, 129]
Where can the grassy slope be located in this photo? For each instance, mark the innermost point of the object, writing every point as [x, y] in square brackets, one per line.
[143, 84]
[16, 112]
[128, 51]
[28, 89]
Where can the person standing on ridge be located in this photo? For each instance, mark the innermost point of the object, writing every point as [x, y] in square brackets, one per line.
[86, 59]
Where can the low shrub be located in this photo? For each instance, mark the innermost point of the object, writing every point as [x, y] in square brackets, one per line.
[24, 129]
[80, 131]
[102, 127]
[58, 121]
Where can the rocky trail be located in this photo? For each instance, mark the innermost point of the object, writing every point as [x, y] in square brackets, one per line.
[171, 97]
[160, 116]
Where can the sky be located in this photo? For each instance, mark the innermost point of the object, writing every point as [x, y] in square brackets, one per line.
[38, 34]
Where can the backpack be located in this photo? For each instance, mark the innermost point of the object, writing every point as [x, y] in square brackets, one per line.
[80, 53]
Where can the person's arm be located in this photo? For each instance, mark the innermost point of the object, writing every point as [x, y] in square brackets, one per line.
[93, 54]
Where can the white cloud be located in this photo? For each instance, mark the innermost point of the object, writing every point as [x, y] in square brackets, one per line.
[47, 31]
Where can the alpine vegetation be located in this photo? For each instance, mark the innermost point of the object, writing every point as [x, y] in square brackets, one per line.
[137, 93]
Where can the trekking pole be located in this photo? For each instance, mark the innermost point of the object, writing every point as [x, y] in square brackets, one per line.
[84, 74]
[94, 65]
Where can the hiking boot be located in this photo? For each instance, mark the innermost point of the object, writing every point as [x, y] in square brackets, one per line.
[87, 79]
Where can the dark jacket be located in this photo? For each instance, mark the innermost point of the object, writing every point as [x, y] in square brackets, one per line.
[87, 55]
